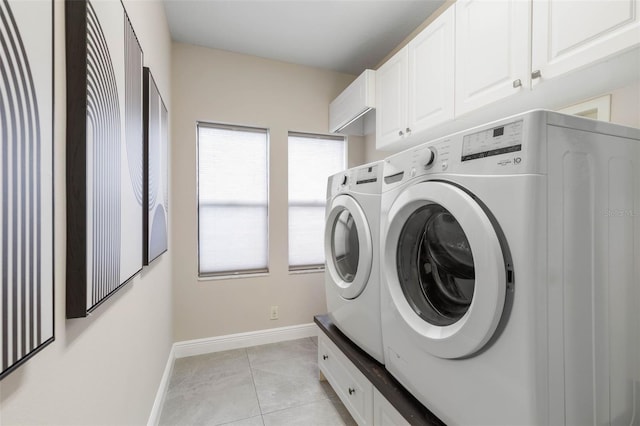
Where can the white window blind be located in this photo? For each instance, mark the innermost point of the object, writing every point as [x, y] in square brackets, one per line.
[312, 159]
[232, 199]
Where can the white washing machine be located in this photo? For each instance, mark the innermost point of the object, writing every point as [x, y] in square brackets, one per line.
[352, 250]
[510, 271]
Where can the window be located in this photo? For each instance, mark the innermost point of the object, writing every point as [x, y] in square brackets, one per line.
[312, 159]
[232, 200]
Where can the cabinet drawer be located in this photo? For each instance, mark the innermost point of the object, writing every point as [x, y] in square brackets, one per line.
[353, 388]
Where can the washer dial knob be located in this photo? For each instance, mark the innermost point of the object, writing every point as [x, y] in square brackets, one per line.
[431, 157]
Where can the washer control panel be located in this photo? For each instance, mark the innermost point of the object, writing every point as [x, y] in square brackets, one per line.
[365, 179]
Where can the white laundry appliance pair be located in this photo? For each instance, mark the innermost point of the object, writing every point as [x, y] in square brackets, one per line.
[510, 272]
[352, 250]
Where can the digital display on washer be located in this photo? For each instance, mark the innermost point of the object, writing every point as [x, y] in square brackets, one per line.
[495, 141]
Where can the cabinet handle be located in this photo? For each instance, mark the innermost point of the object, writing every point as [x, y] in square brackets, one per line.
[400, 133]
[536, 74]
[408, 130]
[352, 391]
[325, 356]
[517, 83]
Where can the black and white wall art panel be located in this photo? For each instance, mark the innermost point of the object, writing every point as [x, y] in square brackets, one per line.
[104, 153]
[26, 180]
[156, 139]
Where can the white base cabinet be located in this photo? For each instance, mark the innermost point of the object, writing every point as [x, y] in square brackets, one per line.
[363, 400]
[353, 388]
[368, 391]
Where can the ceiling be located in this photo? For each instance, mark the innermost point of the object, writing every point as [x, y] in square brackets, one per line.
[341, 35]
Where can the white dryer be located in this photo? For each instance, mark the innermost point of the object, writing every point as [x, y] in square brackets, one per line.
[352, 250]
[511, 275]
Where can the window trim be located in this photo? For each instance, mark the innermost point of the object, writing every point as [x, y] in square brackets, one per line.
[242, 273]
[320, 267]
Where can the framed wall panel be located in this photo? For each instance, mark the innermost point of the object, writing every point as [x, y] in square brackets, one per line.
[156, 183]
[104, 153]
[26, 181]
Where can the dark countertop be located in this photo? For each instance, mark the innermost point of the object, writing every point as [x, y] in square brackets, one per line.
[410, 408]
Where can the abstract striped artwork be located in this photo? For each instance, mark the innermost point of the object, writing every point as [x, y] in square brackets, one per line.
[26, 176]
[156, 140]
[104, 153]
[103, 164]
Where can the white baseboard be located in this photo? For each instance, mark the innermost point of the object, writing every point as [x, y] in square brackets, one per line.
[154, 417]
[243, 340]
[223, 343]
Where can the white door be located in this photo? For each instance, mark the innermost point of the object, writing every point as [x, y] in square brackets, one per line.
[492, 51]
[445, 269]
[348, 247]
[391, 100]
[570, 34]
[431, 74]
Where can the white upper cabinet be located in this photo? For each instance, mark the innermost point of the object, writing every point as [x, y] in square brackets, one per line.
[391, 97]
[431, 68]
[568, 35]
[484, 59]
[414, 89]
[347, 110]
[492, 51]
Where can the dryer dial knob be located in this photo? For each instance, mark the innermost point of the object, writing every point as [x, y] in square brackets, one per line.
[431, 157]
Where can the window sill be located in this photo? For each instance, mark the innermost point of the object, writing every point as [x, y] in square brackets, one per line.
[232, 276]
[306, 271]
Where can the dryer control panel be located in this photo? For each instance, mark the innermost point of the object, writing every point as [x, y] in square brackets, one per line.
[495, 141]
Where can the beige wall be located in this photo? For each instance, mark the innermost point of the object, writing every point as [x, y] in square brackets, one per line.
[104, 369]
[625, 105]
[219, 86]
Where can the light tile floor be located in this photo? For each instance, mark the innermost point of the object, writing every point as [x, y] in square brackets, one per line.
[266, 385]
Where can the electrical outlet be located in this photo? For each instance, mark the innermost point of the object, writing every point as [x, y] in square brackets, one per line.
[274, 313]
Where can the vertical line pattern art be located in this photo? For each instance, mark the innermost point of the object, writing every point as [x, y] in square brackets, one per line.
[155, 135]
[164, 149]
[133, 108]
[26, 257]
[104, 153]
[104, 132]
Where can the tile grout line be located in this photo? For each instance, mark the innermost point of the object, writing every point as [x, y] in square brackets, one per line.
[298, 406]
[325, 398]
[255, 388]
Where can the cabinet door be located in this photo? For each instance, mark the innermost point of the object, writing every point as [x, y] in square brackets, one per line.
[568, 35]
[384, 414]
[492, 51]
[431, 74]
[391, 99]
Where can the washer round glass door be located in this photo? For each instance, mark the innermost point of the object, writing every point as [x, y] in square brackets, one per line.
[444, 268]
[348, 246]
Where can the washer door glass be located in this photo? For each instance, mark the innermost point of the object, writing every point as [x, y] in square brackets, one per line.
[444, 268]
[346, 246]
[435, 265]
